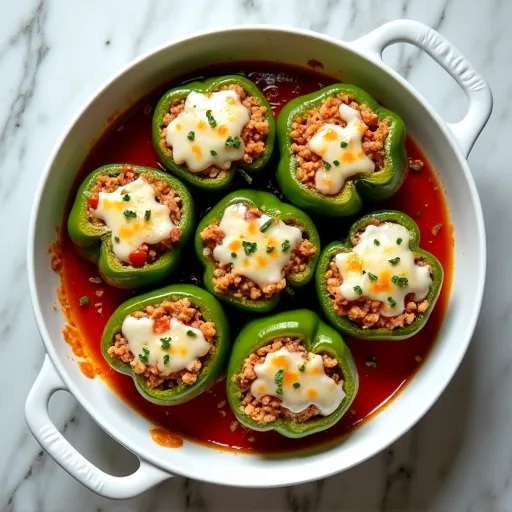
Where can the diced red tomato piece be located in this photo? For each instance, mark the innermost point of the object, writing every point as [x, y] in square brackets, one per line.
[138, 257]
[161, 325]
[93, 202]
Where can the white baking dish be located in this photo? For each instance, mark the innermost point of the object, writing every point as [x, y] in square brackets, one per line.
[446, 145]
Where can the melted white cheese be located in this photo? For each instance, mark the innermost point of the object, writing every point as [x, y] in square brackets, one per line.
[314, 386]
[384, 280]
[259, 256]
[340, 162]
[186, 344]
[198, 144]
[128, 232]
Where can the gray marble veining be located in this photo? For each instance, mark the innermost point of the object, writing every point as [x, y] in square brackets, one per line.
[53, 55]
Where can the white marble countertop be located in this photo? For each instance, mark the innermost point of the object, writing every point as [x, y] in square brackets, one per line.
[53, 55]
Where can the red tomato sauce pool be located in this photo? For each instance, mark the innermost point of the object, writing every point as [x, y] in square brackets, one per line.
[384, 367]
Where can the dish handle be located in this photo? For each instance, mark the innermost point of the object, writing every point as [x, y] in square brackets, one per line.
[53, 442]
[446, 55]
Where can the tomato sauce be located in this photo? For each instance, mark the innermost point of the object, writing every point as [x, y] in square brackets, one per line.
[384, 367]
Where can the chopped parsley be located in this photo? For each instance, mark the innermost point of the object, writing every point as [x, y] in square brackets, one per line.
[166, 342]
[336, 162]
[117, 239]
[392, 302]
[296, 385]
[402, 282]
[129, 214]
[233, 142]
[279, 391]
[376, 242]
[394, 261]
[363, 272]
[84, 301]
[302, 367]
[372, 277]
[343, 144]
[249, 247]
[191, 333]
[191, 135]
[211, 119]
[279, 378]
[358, 290]
[394, 279]
[166, 359]
[398, 241]
[327, 165]
[147, 215]
[126, 197]
[213, 152]
[269, 249]
[266, 225]
[233, 254]
[285, 245]
[144, 358]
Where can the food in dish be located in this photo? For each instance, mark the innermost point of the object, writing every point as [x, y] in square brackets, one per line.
[291, 373]
[378, 283]
[339, 146]
[252, 246]
[203, 130]
[173, 341]
[133, 222]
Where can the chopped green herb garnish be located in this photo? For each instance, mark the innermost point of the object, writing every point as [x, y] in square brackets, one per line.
[296, 385]
[213, 152]
[394, 261]
[398, 241]
[233, 254]
[285, 245]
[363, 272]
[394, 279]
[327, 165]
[249, 247]
[372, 277]
[191, 135]
[147, 215]
[233, 142]
[191, 333]
[166, 342]
[279, 378]
[336, 162]
[117, 239]
[84, 301]
[376, 242]
[166, 359]
[269, 249]
[211, 119]
[144, 358]
[343, 144]
[302, 367]
[358, 290]
[402, 282]
[129, 214]
[266, 225]
[392, 302]
[279, 391]
[126, 197]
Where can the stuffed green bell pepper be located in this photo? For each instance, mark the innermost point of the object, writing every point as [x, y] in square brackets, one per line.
[378, 284]
[202, 131]
[253, 246]
[174, 342]
[133, 222]
[339, 147]
[291, 373]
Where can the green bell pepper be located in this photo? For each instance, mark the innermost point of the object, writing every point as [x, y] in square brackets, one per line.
[343, 323]
[211, 85]
[374, 186]
[317, 337]
[212, 369]
[270, 205]
[94, 241]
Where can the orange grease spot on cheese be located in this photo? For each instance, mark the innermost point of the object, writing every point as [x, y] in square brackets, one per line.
[201, 125]
[312, 393]
[383, 284]
[360, 154]
[235, 245]
[290, 377]
[178, 127]
[245, 263]
[348, 157]
[330, 135]
[253, 227]
[314, 371]
[230, 100]
[182, 351]
[261, 261]
[197, 151]
[280, 361]
[222, 130]
[165, 438]
[261, 388]
[353, 263]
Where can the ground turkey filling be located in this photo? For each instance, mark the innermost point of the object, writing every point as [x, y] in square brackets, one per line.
[268, 408]
[253, 135]
[366, 312]
[227, 281]
[164, 194]
[185, 312]
[305, 127]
